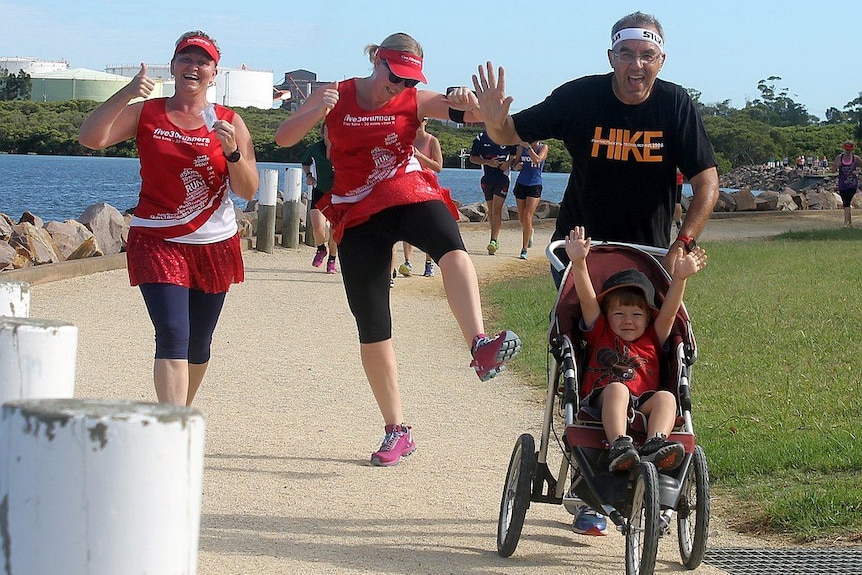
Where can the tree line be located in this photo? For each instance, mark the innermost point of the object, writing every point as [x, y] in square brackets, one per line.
[770, 127]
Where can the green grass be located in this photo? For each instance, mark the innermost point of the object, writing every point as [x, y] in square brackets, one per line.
[776, 388]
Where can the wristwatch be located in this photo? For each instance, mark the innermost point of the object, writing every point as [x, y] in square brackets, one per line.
[688, 242]
[234, 157]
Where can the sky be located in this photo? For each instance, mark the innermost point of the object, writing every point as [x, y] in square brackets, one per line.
[722, 49]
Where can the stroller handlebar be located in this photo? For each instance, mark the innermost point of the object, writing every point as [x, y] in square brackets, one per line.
[558, 264]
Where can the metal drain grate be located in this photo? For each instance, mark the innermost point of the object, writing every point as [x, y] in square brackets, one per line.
[787, 561]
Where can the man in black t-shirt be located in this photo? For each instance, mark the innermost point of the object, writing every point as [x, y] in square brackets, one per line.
[496, 161]
[627, 131]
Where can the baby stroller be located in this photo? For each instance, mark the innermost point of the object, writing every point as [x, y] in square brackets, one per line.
[642, 501]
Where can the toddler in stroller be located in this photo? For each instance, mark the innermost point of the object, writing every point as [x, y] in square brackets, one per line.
[625, 332]
[662, 473]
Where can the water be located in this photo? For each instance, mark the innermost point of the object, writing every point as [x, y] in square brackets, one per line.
[62, 187]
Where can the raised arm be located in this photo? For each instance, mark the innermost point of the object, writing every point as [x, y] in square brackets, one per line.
[114, 120]
[491, 92]
[685, 265]
[314, 109]
[577, 248]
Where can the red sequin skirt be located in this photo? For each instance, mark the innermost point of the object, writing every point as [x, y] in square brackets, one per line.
[211, 268]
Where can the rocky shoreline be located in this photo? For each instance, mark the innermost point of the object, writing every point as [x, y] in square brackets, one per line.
[102, 230]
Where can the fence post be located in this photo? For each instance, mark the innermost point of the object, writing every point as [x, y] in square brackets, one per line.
[93, 487]
[37, 359]
[266, 211]
[291, 208]
[15, 299]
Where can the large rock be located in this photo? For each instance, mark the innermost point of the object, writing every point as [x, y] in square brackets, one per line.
[785, 203]
[69, 236]
[726, 202]
[547, 210]
[744, 200]
[87, 249]
[8, 256]
[243, 222]
[822, 200]
[6, 224]
[35, 244]
[31, 218]
[108, 225]
[474, 212]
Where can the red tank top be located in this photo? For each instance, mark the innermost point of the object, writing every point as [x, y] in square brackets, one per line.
[184, 178]
[372, 156]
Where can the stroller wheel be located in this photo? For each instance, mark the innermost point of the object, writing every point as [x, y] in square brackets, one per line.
[516, 494]
[643, 524]
[692, 518]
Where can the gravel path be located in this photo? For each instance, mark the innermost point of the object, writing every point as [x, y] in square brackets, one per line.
[291, 423]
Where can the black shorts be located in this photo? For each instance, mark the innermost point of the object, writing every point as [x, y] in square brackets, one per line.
[847, 196]
[499, 189]
[522, 192]
[365, 253]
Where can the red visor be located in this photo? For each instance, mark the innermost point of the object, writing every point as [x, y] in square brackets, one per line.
[848, 145]
[199, 42]
[403, 64]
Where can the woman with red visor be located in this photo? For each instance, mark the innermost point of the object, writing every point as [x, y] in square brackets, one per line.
[381, 195]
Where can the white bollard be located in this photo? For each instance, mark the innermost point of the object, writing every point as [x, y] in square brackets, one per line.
[266, 211]
[37, 359]
[15, 299]
[291, 208]
[91, 487]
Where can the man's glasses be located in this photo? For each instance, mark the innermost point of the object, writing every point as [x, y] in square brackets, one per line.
[410, 83]
[646, 59]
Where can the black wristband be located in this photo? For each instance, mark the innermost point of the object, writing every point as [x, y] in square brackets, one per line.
[456, 115]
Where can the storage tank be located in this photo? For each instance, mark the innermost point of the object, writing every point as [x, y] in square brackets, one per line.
[31, 66]
[78, 84]
[244, 88]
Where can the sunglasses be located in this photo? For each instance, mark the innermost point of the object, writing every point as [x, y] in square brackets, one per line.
[393, 79]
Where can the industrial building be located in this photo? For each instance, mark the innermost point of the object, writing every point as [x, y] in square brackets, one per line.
[296, 87]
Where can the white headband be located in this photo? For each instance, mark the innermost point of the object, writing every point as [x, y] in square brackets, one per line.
[637, 34]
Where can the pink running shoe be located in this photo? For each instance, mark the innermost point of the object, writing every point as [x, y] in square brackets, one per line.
[489, 355]
[330, 266]
[397, 443]
[318, 258]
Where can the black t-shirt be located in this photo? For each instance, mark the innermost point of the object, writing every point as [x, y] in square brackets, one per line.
[624, 157]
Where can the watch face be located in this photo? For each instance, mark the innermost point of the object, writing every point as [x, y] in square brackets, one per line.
[234, 157]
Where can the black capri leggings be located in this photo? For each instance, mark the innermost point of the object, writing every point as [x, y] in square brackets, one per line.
[184, 320]
[365, 253]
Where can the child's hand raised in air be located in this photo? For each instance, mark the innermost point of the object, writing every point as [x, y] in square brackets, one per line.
[577, 246]
[688, 264]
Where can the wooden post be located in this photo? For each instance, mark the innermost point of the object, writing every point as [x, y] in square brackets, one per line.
[15, 299]
[266, 211]
[92, 487]
[291, 208]
[37, 359]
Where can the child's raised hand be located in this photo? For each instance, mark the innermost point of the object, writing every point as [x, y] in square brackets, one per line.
[577, 246]
[689, 263]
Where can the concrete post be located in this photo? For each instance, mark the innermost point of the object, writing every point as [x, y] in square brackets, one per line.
[37, 359]
[92, 487]
[291, 208]
[15, 299]
[266, 211]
